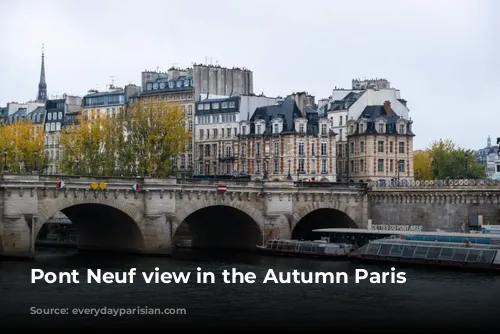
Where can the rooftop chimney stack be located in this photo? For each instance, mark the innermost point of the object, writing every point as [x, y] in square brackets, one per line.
[387, 107]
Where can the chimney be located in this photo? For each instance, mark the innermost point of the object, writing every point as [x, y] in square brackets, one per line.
[387, 107]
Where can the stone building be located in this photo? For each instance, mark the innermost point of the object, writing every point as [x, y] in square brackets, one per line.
[109, 103]
[287, 141]
[348, 104]
[217, 128]
[380, 146]
[56, 112]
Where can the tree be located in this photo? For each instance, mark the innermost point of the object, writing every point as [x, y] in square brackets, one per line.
[155, 133]
[23, 142]
[141, 140]
[422, 165]
[448, 161]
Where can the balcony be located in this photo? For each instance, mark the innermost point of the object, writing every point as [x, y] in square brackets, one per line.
[227, 157]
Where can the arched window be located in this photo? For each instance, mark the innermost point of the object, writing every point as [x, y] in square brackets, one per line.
[47, 127]
[49, 116]
[58, 126]
[60, 115]
[52, 127]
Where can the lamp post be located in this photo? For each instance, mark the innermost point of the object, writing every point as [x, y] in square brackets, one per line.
[5, 167]
[289, 176]
[35, 168]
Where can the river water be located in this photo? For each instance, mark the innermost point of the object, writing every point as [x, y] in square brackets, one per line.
[429, 298]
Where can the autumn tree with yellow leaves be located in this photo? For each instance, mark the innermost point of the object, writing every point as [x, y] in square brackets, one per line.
[23, 142]
[141, 140]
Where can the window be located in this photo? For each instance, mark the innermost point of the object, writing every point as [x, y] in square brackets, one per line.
[340, 134]
[323, 149]
[201, 133]
[52, 127]
[301, 149]
[276, 166]
[352, 166]
[301, 166]
[54, 116]
[361, 128]
[243, 167]
[361, 165]
[216, 133]
[190, 110]
[58, 126]
[258, 150]
[228, 151]
[206, 106]
[401, 166]
[232, 104]
[60, 115]
[401, 147]
[276, 148]
[362, 147]
[391, 148]
[257, 167]
[380, 147]
[243, 130]
[275, 130]
[301, 128]
[340, 120]
[47, 127]
[200, 106]
[381, 128]
[224, 105]
[401, 128]
[323, 129]
[313, 150]
[351, 129]
[351, 148]
[49, 116]
[228, 130]
[258, 129]
[323, 166]
[215, 105]
[190, 125]
[391, 165]
[380, 165]
[243, 150]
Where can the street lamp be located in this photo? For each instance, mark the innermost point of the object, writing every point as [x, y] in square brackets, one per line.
[35, 168]
[289, 176]
[5, 167]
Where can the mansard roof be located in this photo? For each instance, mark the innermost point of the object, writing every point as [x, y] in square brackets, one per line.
[376, 112]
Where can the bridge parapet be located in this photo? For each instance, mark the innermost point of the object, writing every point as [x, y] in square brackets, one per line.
[465, 184]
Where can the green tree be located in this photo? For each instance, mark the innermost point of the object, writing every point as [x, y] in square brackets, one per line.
[449, 161]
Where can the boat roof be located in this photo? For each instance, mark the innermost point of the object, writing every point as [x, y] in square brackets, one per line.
[433, 243]
[387, 232]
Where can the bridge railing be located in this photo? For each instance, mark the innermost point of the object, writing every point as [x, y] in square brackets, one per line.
[351, 185]
[483, 183]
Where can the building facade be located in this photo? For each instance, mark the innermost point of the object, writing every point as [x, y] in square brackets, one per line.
[489, 158]
[217, 128]
[285, 142]
[346, 105]
[56, 112]
[380, 146]
[176, 87]
[110, 103]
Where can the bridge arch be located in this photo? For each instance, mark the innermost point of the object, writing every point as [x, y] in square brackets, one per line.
[322, 215]
[101, 223]
[219, 224]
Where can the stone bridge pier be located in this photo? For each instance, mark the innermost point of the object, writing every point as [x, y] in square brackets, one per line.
[109, 214]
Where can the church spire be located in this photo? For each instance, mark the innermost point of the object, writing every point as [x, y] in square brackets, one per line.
[42, 86]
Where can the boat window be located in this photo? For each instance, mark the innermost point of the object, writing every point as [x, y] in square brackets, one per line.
[396, 250]
[473, 255]
[408, 251]
[487, 256]
[446, 254]
[420, 252]
[372, 249]
[460, 255]
[385, 249]
[433, 253]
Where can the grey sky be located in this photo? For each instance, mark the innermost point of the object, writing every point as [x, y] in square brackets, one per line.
[443, 55]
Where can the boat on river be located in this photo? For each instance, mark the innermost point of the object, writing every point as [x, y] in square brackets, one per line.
[316, 248]
[431, 253]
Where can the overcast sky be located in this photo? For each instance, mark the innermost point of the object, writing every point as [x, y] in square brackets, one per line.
[444, 56]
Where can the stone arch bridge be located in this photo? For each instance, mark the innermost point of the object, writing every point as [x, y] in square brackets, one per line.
[147, 221]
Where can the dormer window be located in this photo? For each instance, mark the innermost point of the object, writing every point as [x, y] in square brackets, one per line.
[381, 128]
[401, 128]
[224, 105]
[301, 128]
[215, 105]
[232, 104]
[276, 128]
[323, 129]
[258, 128]
[179, 84]
[351, 129]
[171, 84]
[243, 130]
[361, 128]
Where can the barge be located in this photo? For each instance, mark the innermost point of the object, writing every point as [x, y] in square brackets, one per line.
[431, 253]
[317, 248]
